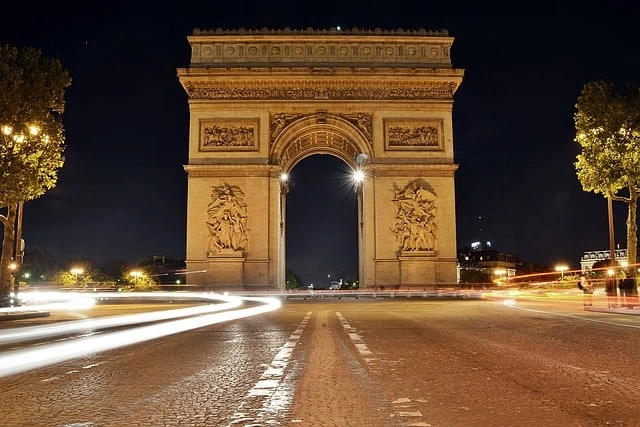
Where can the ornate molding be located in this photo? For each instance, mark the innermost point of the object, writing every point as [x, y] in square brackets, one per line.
[415, 225]
[412, 135]
[311, 31]
[362, 121]
[229, 135]
[322, 91]
[227, 221]
[319, 141]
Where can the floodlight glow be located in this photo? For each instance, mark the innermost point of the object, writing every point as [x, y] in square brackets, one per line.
[33, 130]
[284, 176]
[358, 176]
[7, 130]
[77, 271]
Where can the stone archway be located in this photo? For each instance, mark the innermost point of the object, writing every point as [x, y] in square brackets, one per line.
[261, 101]
[297, 136]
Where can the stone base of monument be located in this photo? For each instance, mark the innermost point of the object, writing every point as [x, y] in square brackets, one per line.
[417, 269]
[225, 270]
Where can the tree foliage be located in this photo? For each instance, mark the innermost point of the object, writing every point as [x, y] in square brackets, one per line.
[608, 130]
[293, 281]
[31, 134]
[141, 283]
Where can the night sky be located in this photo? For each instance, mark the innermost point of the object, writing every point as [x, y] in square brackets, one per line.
[122, 192]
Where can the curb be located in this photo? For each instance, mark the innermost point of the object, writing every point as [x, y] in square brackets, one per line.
[613, 310]
[23, 315]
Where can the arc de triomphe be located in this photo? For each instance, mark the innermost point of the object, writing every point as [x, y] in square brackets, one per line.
[262, 100]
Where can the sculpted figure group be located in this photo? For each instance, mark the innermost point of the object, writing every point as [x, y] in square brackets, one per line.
[227, 219]
[415, 222]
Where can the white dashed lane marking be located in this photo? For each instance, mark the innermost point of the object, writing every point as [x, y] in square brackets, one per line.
[402, 405]
[266, 389]
[356, 339]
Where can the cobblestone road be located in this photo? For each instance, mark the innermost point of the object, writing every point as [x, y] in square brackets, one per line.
[354, 363]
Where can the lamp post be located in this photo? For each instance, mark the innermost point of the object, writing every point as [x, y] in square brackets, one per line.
[77, 271]
[612, 249]
[136, 274]
[561, 269]
[18, 139]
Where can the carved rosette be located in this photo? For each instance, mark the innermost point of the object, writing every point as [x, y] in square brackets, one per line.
[227, 220]
[415, 225]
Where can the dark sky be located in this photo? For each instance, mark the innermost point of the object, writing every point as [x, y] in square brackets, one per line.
[122, 191]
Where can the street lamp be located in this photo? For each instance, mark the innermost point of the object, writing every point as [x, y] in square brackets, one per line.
[561, 269]
[77, 271]
[136, 274]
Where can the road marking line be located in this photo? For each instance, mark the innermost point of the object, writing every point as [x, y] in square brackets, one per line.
[357, 340]
[266, 388]
[519, 307]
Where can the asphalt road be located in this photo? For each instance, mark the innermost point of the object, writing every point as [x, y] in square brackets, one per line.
[387, 362]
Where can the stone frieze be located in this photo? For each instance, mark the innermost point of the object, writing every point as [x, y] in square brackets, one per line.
[412, 134]
[229, 135]
[434, 90]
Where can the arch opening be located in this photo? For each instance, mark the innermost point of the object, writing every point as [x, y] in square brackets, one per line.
[321, 223]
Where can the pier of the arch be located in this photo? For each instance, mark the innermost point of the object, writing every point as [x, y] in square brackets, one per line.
[254, 116]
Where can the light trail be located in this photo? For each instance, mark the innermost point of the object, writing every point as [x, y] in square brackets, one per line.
[28, 333]
[513, 304]
[23, 360]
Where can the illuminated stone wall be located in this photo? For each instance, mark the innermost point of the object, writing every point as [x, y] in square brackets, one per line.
[262, 101]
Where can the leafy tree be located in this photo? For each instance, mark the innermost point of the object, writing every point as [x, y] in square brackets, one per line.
[293, 280]
[608, 130]
[31, 135]
[474, 275]
[142, 282]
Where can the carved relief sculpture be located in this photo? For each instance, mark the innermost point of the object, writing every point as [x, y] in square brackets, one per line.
[362, 121]
[225, 135]
[413, 135]
[415, 225]
[227, 220]
[280, 120]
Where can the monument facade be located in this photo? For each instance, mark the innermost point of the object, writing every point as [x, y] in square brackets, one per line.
[262, 100]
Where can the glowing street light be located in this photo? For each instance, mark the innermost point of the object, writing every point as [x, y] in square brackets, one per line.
[77, 271]
[136, 274]
[561, 269]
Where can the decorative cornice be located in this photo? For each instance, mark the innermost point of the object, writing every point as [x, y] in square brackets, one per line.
[318, 32]
[226, 170]
[287, 48]
[320, 90]
[315, 71]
